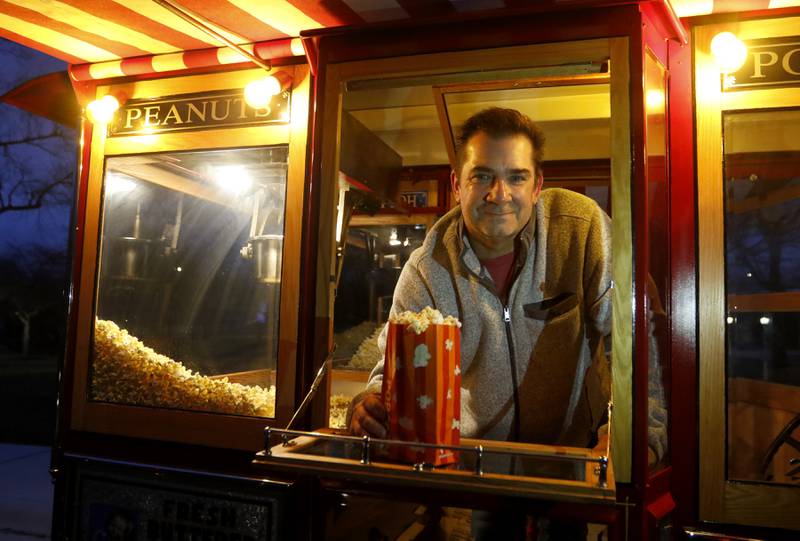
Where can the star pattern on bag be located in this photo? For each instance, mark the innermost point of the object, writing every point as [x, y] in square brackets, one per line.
[424, 401]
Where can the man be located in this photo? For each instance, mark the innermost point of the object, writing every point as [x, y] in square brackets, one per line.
[528, 274]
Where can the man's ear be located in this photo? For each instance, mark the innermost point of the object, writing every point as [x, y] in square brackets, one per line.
[539, 184]
[455, 186]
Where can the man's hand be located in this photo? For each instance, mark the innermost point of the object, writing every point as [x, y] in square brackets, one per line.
[369, 417]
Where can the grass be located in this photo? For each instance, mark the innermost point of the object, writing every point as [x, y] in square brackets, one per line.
[28, 399]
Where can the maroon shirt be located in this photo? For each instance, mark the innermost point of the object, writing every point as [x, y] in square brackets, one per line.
[500, 270]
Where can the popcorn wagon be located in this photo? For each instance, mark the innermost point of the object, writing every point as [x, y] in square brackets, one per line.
[253, 177]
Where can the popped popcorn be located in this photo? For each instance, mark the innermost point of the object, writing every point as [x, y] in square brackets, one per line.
[128, 372]
[419, 321]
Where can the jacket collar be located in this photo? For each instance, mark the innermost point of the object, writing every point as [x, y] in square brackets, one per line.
[457, 243]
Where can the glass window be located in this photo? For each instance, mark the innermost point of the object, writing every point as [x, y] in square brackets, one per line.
[379, 224]
[189, 281]
[762, 250]
[658, 281]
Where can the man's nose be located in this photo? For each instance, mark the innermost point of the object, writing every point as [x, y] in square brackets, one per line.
[498, 192]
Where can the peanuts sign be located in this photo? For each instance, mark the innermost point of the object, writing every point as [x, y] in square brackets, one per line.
[222, 109]
[770, 62]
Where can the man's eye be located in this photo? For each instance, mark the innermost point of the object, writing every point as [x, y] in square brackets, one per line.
[517, 179]
[482, 177]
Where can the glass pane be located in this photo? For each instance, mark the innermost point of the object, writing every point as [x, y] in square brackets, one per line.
[659, 276]
[762, 248]
[188, 290]
[387, 129]
[373, 258]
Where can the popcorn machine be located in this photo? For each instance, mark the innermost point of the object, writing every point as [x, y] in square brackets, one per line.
[225, 253]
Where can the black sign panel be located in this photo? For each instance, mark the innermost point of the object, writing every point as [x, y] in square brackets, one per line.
[770, 62]
[221, 109]
[143, 504]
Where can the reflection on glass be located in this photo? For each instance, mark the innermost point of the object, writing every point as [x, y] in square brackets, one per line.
[392, 125]
[189, 281]
[659, 276]
[373, 258]
[762, 249]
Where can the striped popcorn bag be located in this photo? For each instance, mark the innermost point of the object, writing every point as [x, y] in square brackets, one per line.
[422, 390]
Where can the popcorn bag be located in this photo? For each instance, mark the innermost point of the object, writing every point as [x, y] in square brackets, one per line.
[422, 385]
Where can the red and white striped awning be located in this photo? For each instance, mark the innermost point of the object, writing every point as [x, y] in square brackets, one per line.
[108, 31]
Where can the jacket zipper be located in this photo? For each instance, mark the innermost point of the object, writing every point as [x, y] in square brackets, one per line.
[513, 361]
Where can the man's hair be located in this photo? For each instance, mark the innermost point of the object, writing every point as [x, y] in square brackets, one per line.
[497, 122]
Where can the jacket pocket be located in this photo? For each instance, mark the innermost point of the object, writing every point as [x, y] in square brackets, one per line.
[548, 309]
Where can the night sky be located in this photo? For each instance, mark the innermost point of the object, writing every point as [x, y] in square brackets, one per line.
[48, 226]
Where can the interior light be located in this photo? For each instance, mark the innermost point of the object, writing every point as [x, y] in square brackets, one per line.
[765, 320]
[393, 240]
[729, 52]
[749, 274]
[233, 178]
[118, 184]
[729, 319]
[655, 99]
[101, 111]
[258, 93]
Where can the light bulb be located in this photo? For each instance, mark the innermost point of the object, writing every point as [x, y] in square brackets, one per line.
[729, 52]
[101, 111]
[655, 99]
[258, 93]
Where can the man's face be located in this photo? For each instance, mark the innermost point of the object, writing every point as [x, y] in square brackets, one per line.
[496, 187]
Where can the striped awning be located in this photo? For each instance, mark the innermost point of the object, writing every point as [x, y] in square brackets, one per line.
[101, 31]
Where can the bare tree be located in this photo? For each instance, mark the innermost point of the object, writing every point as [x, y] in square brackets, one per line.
[33, 285]
[35, 166]
[37, 156]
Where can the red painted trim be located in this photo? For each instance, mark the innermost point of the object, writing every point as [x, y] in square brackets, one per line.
[80, 72]
[309, 347]
[137, 66]
[683, 297]
[273, 49]
[201, 58]
[505, 30]
[66, 369]
[641, 263]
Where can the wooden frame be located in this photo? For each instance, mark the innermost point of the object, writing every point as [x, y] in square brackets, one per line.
[721, 500]
[616, 50]
[589, 490]
[216, 430]
[440, 92]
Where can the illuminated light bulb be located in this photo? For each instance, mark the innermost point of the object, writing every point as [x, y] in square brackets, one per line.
[729, 319]
[729, 52]
[101, 111]
[765, 320]
[393, 240]
[655, 99]
[258, 93]
[179, 269]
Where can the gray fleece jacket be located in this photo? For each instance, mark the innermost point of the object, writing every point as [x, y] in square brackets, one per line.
[534, 368]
